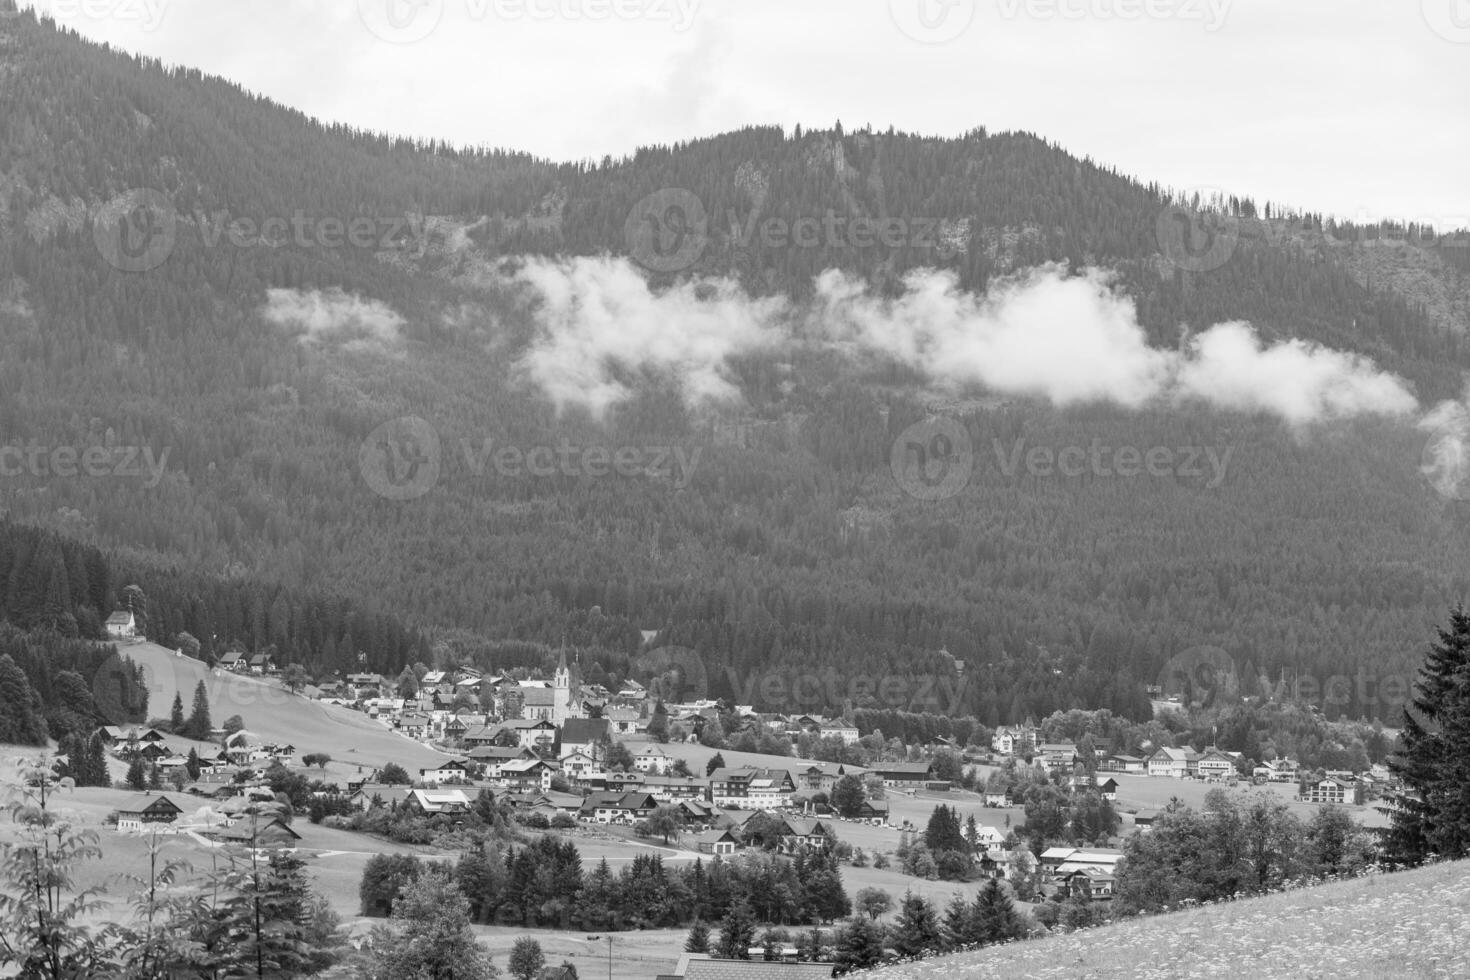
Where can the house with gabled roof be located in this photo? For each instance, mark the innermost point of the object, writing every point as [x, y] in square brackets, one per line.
[717, 842]
[751, 787]
[146, 813]
[625, 721]
[436, 801]
[451, 770]
[522, 775]
[652, 759]
[1175, 763]
[1215, 765]
[583, 735]
[618, 808]
[904, 774]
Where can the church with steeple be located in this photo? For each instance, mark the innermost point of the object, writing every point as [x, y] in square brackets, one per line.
[560, 701]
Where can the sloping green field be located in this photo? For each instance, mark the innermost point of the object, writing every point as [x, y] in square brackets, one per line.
[1415, 924]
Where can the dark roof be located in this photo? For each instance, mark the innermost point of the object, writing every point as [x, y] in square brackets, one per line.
[702, 969]
[583, 730]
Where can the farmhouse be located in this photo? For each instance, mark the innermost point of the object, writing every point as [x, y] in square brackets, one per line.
[1108, 788]
[625, 721]
[819, 777]
[142, 813]
[257, 833]
[905, 774]
[800, 834]
[1063, 861]
[620, 808]
[378, 794]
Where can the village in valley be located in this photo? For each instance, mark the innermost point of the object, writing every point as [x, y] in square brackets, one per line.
[343, 767]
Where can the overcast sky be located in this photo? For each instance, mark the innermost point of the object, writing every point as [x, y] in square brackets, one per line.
[1352, 107]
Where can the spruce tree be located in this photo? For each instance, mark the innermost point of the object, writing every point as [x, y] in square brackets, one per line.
[1431, 817]
[698, 940]
[97, 771]
[176, 715]
[916, 933]
[199, 726]
[859, 947]
[996, 918]
[137, 777]
[737, 933]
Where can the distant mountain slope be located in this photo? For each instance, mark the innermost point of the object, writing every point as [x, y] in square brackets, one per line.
[260, 376]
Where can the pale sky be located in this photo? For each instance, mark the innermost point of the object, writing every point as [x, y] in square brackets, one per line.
[1351, 107]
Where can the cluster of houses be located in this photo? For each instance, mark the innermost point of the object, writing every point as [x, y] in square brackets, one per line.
[1213, 765]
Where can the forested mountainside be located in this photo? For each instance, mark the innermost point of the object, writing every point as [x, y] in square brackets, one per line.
[256, 375]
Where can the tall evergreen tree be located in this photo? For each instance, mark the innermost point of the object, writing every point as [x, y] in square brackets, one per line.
[996, 918]
[176, 715]
[199, 725]
[737, 933]
[916, 933]
[1431, 817]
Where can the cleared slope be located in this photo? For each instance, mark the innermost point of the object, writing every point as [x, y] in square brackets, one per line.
[276, 715]
[1407, 925]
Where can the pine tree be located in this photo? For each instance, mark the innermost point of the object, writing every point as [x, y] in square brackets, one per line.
[176, 715]
[192, 765]
[961, 923]
[1431, 818]
[698, 940]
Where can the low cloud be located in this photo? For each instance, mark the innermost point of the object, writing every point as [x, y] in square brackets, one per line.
[334, 317]
[1068, 339]
[597, 321]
